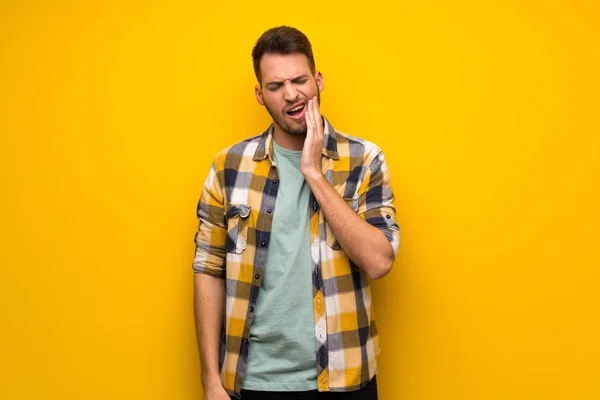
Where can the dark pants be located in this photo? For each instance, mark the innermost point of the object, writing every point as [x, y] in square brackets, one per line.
[369, 392]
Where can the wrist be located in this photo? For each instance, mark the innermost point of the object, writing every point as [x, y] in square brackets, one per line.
[313, 175]
[210, 381]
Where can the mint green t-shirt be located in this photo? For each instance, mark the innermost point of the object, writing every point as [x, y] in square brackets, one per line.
[281, 353]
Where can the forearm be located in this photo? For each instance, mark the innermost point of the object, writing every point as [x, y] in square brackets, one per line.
[364, 244]
[209, 309]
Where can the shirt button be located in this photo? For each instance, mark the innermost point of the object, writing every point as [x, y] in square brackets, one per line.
[263, 243]
[246, 341]
[269, 211]
[275, 180]
[257, 276]
[388, 216]
[251, 308]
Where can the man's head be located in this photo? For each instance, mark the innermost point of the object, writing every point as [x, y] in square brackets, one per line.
[285, 69]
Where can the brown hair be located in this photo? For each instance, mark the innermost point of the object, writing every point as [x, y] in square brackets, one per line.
[281, 40]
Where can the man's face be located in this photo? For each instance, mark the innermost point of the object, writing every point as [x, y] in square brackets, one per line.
[287, 85]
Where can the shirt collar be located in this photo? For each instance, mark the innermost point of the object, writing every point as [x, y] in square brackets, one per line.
[265, 147]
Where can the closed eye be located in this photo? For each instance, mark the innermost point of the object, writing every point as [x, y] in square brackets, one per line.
[300, 80]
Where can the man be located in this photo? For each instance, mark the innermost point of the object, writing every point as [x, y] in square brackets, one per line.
[292, 222]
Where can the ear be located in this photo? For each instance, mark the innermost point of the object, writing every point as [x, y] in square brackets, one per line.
[320, 82]
[258, 94]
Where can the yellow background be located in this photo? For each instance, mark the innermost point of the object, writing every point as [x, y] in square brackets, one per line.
[488, 112]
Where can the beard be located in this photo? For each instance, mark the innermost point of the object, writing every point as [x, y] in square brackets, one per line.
[291, 127]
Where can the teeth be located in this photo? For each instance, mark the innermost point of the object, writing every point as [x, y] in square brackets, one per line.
[296, 109]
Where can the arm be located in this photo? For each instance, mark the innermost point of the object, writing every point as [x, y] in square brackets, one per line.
[209, 310]
[209, 284]
[365, 244]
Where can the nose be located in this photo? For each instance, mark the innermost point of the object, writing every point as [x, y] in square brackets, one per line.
[289, 92]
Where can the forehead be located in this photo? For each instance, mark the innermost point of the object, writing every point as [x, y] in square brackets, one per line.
[278, 67]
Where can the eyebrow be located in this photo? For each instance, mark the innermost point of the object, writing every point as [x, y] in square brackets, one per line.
[281, 82]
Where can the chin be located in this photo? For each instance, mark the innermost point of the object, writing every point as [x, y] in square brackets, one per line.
[297, 132]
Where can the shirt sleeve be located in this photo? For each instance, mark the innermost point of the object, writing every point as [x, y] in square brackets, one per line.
[375, 200]
[212, 229]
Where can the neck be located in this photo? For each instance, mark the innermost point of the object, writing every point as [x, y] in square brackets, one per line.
[287, 141]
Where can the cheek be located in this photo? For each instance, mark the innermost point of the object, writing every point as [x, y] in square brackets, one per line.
[309, 90]
[271, 101]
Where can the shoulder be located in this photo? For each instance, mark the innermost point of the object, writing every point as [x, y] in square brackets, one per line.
[235, 153]
[356, 147]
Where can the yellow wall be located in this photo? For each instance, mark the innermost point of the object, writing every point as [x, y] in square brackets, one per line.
[488, 112]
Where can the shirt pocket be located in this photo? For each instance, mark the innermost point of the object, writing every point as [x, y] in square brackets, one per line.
[237, 227]
[332, 241]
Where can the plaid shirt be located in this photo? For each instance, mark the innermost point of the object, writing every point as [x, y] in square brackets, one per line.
[235, 214]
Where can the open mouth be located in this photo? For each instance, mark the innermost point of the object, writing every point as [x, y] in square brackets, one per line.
[297, 112]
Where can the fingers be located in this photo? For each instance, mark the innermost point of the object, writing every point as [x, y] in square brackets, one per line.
[317, 117]
[308, 118]
[314, 127]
